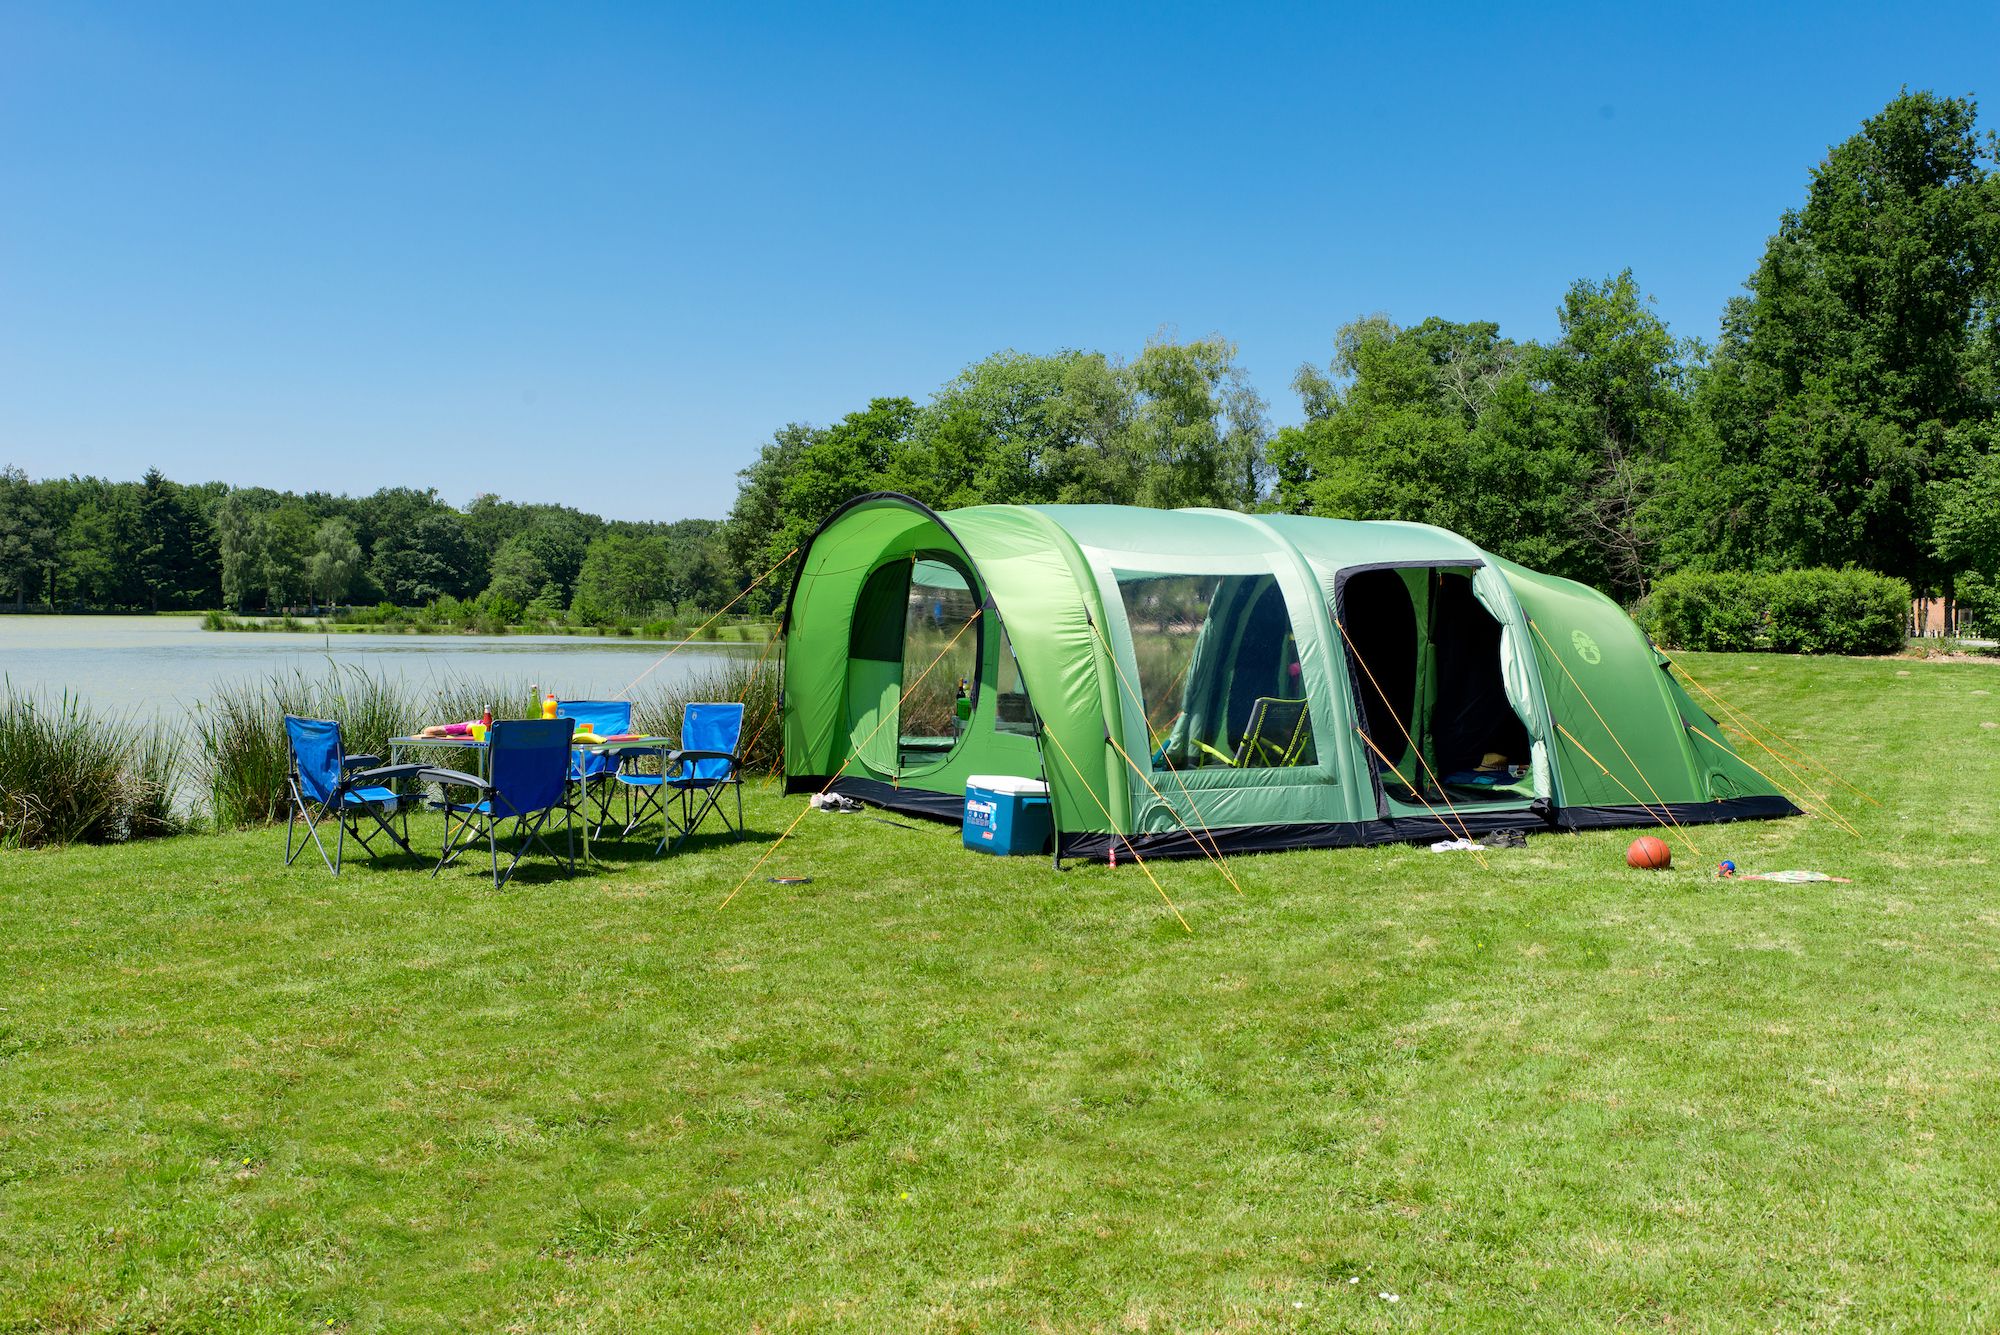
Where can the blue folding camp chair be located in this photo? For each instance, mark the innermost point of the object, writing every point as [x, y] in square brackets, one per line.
[707, 764]
[592, 773]
[527, 761]
[697, 774]
[324, 781]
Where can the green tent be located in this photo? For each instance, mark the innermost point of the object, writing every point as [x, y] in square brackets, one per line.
[1264, 681]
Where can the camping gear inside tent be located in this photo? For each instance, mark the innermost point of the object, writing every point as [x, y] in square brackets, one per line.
[1252, 681]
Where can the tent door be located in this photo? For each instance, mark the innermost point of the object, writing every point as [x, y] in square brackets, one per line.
[875, 667]
[1425, 657]
[912, 664]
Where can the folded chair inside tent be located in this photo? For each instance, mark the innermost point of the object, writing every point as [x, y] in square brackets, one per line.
[528, 764]
[324, 782]
[1276, 736]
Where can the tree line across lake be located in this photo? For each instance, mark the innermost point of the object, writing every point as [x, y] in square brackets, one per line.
[156, 544]
[1848, 415]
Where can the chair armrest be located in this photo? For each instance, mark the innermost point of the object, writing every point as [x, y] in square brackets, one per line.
[679, 760]
[453, 777]
[384, 774]
[360, 762]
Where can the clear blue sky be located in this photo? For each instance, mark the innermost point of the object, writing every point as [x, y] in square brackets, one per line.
[597, 253]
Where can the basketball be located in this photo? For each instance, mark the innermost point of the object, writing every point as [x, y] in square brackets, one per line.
[1648, 853]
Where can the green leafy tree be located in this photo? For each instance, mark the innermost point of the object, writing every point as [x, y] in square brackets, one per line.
[1198, 431]
[545, 607]
[558, 533]
[1966, 531]
[95, 564]
[1021, 428]
[388, 511]
[1379, 438]
[638, 570]
[1865, 341]
[699, 574]
[559, 538]
[624, 575]
[239, 543]
[1616, 390]
[90, 556]
[431, 559]
[24, 536]
[519, 573]
[1434, 423]
[335, 561]
[1556, 456]
[286, 542]
[1427, 375]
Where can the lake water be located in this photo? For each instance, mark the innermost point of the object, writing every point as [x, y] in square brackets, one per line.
[151, 666]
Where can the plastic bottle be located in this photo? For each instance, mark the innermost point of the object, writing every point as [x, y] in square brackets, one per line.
[549, 705]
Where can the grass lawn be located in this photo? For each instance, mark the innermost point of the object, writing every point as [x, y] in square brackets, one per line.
[933, 1091]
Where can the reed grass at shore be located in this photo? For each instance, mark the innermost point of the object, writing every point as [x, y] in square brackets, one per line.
[69, 774]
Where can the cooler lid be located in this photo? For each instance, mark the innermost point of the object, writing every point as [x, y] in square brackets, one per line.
[1012, 784]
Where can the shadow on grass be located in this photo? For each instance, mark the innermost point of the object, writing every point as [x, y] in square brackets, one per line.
[642, 847]
[610, 853]
[386, 857]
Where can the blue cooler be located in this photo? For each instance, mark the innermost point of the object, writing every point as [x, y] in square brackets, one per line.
[1006, 815]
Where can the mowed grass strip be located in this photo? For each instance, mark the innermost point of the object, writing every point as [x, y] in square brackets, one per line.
[935, 1091]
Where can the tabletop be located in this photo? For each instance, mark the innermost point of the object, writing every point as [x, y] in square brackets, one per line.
[602, 745]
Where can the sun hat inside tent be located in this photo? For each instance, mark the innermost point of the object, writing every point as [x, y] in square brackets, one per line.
[1254, 682]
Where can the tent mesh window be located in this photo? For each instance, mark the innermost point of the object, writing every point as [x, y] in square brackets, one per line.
[1218, 671]
[940, 661]
[1011, 710]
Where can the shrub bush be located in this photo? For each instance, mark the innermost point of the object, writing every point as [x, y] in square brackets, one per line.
[1788, 611]
[1704, 611]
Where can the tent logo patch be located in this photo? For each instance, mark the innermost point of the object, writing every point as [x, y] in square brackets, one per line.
[1586, 648]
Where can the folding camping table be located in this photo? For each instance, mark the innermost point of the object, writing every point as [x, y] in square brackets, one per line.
[659, 746]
